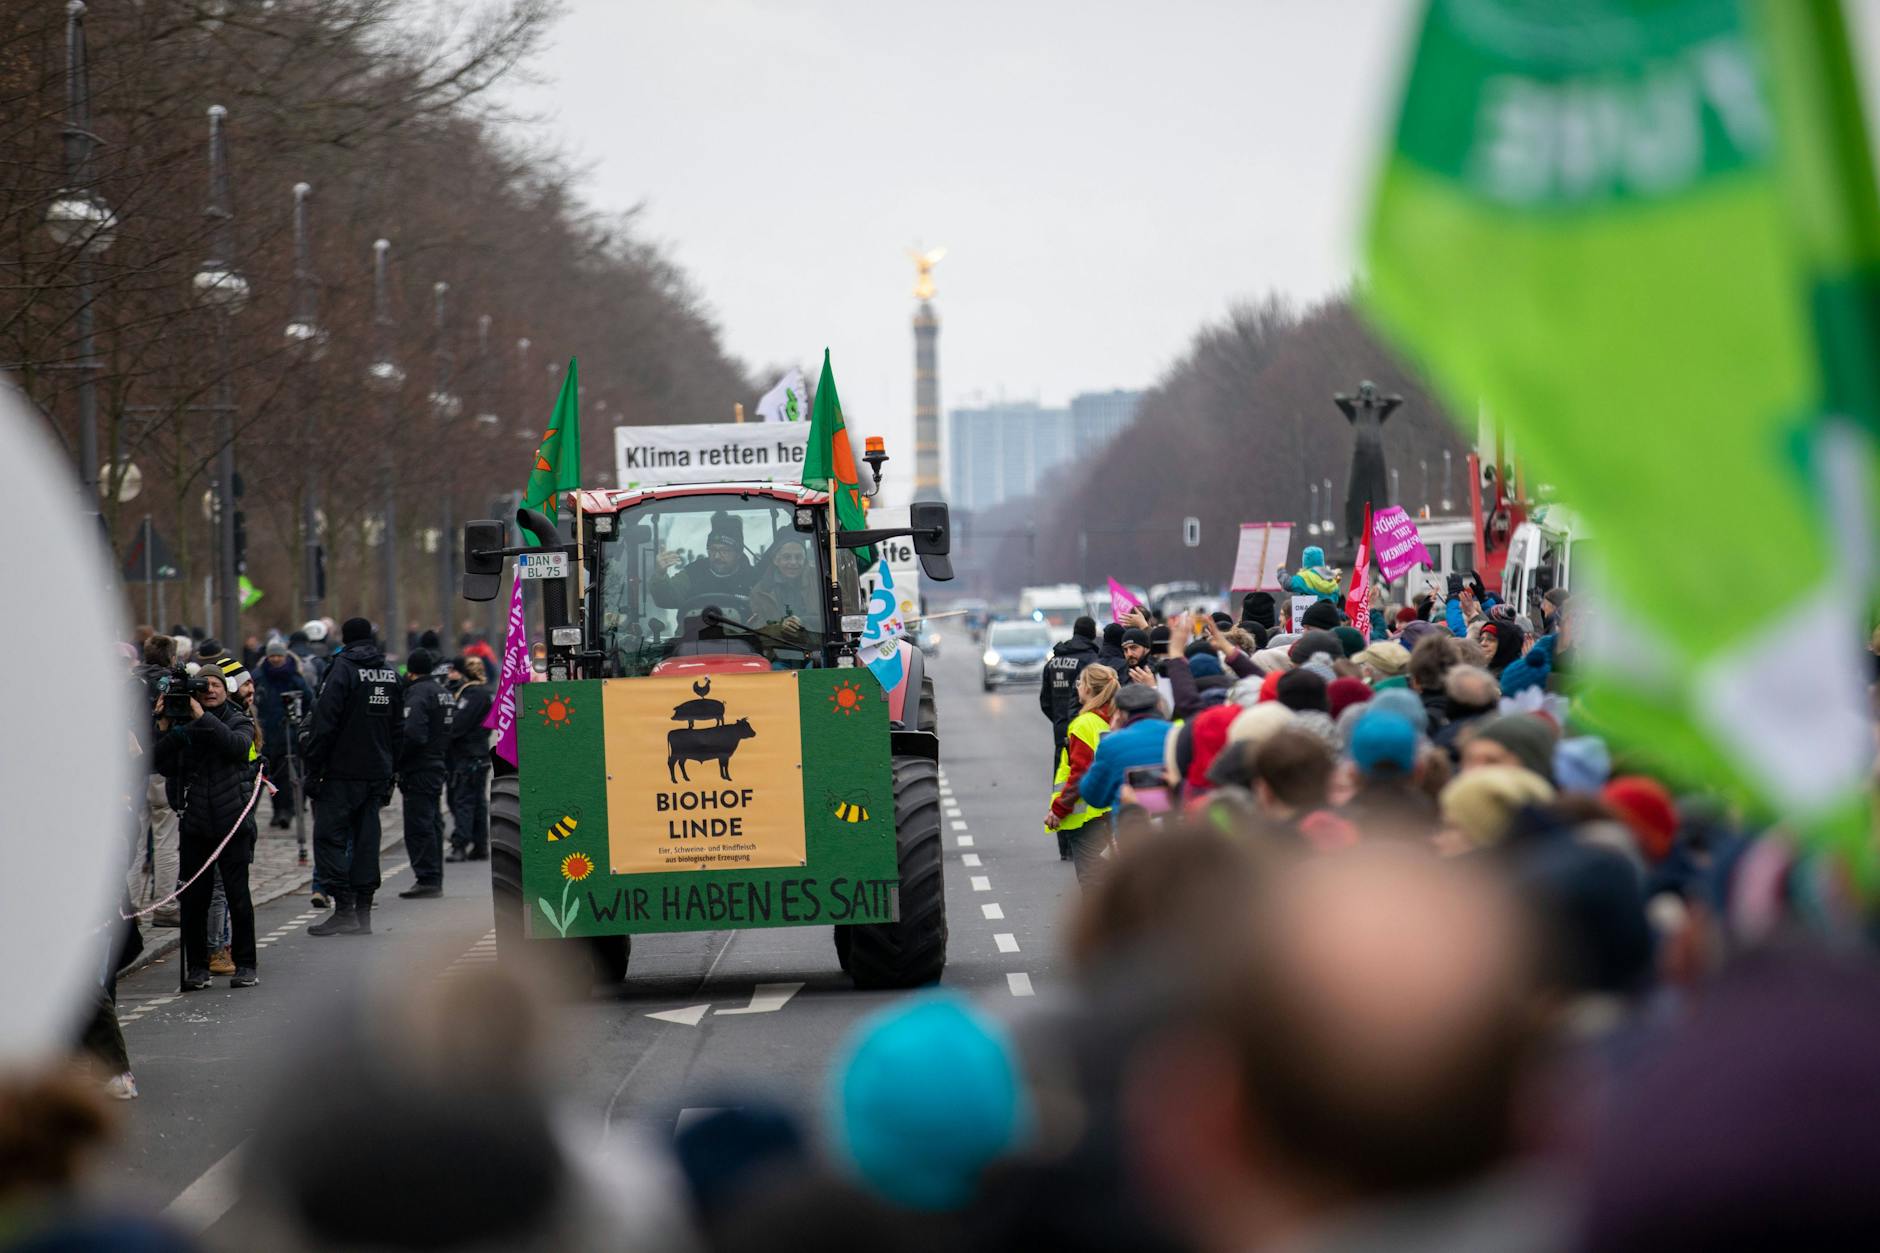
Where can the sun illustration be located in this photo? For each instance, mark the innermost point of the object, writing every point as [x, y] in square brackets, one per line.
[847, 697]
[557, 711]
[576, 867]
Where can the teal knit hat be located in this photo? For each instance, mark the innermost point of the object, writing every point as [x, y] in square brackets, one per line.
[927, 1095]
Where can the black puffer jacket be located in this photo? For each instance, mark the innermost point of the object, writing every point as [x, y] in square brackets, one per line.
[210, 776]
[469, 742]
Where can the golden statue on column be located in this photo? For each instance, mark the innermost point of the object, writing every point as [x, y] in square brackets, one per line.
[924, 262]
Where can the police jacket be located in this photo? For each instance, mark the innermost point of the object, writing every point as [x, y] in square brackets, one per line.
[1057, 695]
[209, 776]
[469, 742]
[427, 727]
[358, 723]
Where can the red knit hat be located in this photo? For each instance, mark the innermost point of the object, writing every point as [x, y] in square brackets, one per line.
[1406, 614]
[1648, 809]
[1269, 686]
[1343, 692]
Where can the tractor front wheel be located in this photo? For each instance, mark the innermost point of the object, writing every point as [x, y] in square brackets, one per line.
[912, 951]
[607, 954]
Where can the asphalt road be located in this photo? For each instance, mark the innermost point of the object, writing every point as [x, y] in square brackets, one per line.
[635, 1057]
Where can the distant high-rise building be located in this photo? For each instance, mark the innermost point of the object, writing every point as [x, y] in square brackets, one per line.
[999, 452]
[1098, 417]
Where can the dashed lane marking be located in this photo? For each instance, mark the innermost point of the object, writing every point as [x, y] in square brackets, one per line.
[966, 841]
[958, 825]
[992, 912]
[969, 859]
[1020, 983]
[1007, 942]
[982, 883]
[201, 1205]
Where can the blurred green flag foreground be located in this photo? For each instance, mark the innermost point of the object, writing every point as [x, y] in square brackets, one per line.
[1642, 233]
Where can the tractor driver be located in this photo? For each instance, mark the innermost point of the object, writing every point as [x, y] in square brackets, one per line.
[788, 591]
[724, 569]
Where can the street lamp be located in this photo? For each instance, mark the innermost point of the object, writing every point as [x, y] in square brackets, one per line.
[386, 378]
[306, 343]
[1448, 501]
[523, 425]
[1424, 464]
[223, 291]
[1331, 527]
[1312, 526]
[81, 221]
[446, 407]
[486, 416]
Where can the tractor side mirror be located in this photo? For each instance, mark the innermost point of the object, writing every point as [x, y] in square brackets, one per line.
[482, 564]
[933, 538]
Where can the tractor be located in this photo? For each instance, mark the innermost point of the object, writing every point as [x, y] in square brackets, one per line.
[720, 740]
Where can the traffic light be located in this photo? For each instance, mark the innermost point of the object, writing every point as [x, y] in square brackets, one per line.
[241, 541]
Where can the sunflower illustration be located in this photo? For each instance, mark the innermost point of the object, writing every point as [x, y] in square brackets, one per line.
[576, 867]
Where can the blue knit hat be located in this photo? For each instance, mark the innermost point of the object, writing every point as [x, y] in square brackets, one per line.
[1582, 764]
[924, 1098]
[1205, 666]
[1383, 738]
[1402, 702]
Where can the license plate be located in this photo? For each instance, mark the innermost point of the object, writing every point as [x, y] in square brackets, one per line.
[542, 566]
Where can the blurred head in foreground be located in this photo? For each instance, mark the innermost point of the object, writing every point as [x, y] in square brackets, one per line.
[1365, 1043]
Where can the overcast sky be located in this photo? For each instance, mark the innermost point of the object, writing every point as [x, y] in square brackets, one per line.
[1105, 176]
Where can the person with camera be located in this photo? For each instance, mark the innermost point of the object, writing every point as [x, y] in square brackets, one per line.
[468, 763]
[421, 774]
[282, 696]
[350, 753]
[203, 752]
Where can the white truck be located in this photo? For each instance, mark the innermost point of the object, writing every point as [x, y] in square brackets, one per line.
[1546, 551]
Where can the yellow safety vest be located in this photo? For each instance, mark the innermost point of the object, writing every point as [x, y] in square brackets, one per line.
[1089, 728]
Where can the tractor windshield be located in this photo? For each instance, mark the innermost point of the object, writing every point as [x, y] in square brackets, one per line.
[713, 574]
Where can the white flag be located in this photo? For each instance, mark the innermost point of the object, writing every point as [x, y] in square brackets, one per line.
[785, 402]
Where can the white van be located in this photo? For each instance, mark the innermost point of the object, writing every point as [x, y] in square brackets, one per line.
[1057, 604]
[1545, 552]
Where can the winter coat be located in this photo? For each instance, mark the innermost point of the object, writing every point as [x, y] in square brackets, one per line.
[469, 741]
[1057, 694]
[1140, 743]
[428, 708]
[272, 683]
[209, 771]
[358, 724]
[1314, 577]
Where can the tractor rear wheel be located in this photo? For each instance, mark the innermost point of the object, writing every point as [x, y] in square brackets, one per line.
[913, 951]
[607, 954]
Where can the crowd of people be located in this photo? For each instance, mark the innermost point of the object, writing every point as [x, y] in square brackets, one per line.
[314, 721]
[1377, 947]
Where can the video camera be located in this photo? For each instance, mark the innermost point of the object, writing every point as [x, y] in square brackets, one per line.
[295, 703]
[177, 692]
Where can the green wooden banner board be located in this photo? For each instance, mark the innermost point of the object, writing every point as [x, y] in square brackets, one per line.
[693, 804]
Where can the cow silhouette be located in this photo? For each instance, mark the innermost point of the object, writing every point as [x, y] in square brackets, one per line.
[705, 744]
[692, 711]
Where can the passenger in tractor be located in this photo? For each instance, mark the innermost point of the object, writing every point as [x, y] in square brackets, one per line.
[787, 597]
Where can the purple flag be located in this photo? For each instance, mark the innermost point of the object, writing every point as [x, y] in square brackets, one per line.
[502, 716]
[1398, 546]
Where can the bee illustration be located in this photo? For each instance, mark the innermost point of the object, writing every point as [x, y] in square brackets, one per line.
[853, 809]
[559, 827]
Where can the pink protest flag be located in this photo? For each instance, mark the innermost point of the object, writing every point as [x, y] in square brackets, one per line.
[502, 716]
[1121, 602]
[1397, 543]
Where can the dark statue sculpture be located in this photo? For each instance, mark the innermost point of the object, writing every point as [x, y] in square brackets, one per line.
[1369, 480]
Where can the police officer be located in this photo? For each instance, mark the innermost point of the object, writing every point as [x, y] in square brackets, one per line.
[468, 762]
[1057, 694]
[350, 753]
[421, 774]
